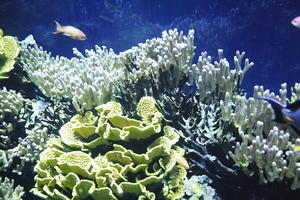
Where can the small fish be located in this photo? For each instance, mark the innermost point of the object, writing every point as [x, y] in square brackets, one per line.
[286, 114]
[182, 161]
[38, 106]
[296, 22]
[70, 31]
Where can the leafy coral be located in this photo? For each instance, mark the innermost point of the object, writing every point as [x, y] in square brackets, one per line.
[110, 156]
[9, 50]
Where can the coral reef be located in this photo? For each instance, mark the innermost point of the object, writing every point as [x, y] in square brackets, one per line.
[212, 112]
[199, 110]
[110, 156]
[9, 50]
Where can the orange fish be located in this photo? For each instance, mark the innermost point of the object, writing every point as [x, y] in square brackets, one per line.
[70, 31]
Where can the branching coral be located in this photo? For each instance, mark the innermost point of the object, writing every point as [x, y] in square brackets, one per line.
[11, 107]
[94, 78]
[13, 144]
[270, 146]
[25, 129]
[173, 51]
[87, 80]
[214, 80]
[110, 156]
[8, 192]
[52, 114]
[27, 151]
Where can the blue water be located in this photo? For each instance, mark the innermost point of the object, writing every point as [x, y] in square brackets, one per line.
[261, 28]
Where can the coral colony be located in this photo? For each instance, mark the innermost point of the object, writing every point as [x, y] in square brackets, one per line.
[122, 126]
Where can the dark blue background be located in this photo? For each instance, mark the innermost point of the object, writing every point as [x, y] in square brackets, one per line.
[261, 28]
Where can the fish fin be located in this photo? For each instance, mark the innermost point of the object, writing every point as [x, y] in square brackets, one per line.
[288, 119]
[58, 28]
[277, 108]
[294, 106]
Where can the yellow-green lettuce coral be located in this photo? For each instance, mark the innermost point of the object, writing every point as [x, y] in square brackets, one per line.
[9, 50]
[109, 156]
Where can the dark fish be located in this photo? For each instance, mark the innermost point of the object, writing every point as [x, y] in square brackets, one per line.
[286, 114]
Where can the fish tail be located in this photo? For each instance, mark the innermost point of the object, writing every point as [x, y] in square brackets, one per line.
[58, 28]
